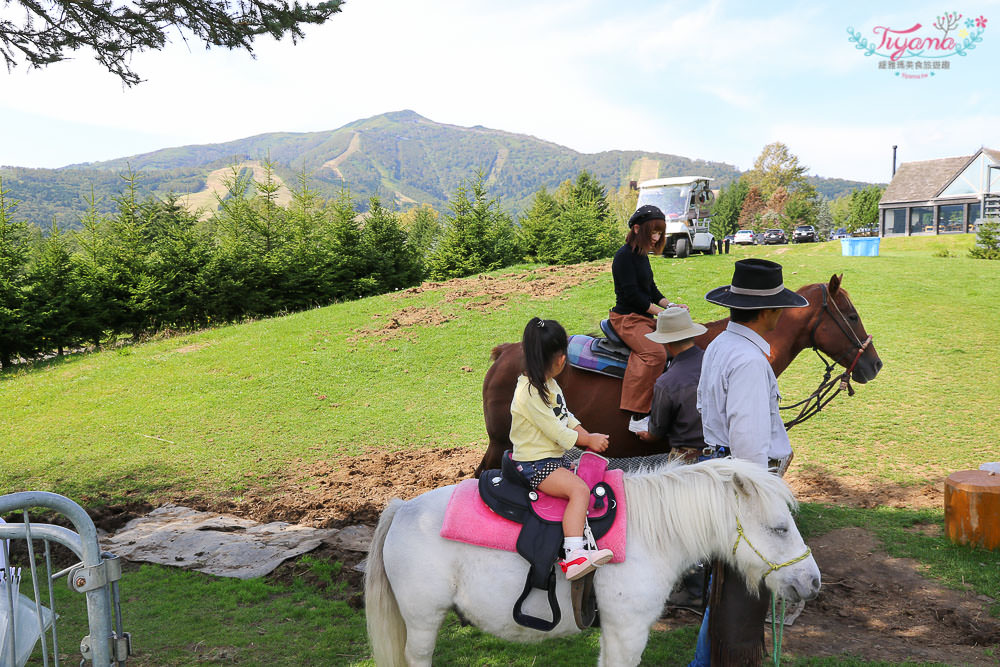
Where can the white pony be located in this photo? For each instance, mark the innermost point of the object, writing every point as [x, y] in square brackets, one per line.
[677, 515]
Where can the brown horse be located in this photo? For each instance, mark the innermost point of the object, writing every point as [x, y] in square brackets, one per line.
[830, 324]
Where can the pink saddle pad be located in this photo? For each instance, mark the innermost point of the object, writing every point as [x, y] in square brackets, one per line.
[468, 519]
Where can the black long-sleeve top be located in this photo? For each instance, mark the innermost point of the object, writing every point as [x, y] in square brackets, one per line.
[634, 286]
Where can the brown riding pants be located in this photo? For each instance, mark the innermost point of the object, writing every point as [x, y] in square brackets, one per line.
[645, 364]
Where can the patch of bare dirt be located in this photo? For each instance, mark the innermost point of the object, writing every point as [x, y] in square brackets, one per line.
[542, 283]
[481, 293]
[815, 485]
[396, 324]
[350, 490]
[193, 347]
[877, 607]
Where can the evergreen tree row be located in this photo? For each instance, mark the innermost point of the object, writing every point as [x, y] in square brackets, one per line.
[151, 265]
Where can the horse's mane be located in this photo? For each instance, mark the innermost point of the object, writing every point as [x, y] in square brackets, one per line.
[662, 501]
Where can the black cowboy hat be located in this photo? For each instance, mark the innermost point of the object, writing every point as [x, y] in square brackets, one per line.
[757, 284]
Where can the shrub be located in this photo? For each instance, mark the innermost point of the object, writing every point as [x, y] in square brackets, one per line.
[987, 240]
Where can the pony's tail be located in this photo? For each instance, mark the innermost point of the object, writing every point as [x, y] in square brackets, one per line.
[386, 629]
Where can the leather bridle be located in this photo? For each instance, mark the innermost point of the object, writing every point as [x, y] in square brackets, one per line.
[817, 400]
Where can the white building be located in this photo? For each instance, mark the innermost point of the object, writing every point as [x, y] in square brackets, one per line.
[945, 196]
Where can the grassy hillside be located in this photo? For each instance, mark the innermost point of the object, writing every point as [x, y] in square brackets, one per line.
[214, 411]
[401, 156]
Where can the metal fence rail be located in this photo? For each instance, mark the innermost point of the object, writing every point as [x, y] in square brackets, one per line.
[96, 576]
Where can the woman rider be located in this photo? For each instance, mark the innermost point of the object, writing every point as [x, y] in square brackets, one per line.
[637, 302]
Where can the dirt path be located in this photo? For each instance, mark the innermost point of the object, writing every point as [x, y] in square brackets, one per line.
[335, 163]
[498, 163]
[648, 169]
[215, 185]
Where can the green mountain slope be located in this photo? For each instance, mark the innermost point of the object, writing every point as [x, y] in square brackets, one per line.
[401, 156]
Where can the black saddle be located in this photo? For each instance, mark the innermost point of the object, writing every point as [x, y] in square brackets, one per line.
[611, 345]
[506, 492]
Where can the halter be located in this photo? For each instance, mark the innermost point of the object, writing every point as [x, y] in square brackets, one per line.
[740, 535]
[822, 395]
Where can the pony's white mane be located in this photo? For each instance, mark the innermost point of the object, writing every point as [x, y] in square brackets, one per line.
[667, 504]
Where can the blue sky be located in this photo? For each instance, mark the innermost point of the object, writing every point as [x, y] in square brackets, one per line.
[714, 80]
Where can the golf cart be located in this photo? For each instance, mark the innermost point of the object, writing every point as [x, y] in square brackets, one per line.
[684, 201]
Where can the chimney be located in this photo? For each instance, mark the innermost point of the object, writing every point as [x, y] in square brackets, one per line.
[894, 161]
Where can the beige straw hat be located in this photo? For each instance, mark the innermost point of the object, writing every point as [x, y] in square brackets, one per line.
[674, 324]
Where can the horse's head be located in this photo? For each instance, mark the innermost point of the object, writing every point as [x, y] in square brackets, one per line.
[837, 331]
[766, 543]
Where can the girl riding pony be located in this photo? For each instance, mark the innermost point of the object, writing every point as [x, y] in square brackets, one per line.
[542, 429]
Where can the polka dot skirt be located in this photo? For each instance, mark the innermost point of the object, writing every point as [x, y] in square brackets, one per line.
[547, 469]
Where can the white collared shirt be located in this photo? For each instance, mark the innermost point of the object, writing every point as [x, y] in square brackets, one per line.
[738, 397]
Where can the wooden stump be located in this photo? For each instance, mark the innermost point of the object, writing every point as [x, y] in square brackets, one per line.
[972, 508]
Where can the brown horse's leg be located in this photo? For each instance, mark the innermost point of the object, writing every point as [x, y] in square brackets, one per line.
[498, 392]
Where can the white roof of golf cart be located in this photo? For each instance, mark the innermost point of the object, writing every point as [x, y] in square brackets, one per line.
[676, 180]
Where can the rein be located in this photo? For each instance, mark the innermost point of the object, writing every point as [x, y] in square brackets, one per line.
[740, 535]
[822, 395]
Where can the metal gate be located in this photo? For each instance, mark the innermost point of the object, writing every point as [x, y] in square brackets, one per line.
[96, 576]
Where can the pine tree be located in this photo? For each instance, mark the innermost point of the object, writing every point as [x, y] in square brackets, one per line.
[538, 225]
[178, 294]
[392, 262]
[824, 219]
[53, 304]
[13, 265]
[346, 265]
[424, 231]
[727, 207]
[307, 252]
[479, 236]
[987, 240]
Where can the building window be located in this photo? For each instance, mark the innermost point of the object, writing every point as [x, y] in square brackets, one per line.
[922, 220]
[895, 221]
[975, 216]
[950, 218]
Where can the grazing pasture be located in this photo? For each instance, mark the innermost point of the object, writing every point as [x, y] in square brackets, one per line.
[264, 418]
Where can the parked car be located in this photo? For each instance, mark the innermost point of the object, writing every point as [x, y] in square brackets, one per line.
[775, 237]
[744, 237]
[864, 231]
[839, 233]
[804, 234]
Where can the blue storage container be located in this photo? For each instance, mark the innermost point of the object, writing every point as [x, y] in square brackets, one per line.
[860, 247]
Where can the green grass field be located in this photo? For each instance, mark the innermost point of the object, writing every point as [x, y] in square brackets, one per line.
[222, 411]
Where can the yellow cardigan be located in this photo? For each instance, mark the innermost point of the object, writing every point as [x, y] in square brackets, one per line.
[538, 430]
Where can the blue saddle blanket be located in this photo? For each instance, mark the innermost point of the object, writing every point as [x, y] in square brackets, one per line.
[585, 352]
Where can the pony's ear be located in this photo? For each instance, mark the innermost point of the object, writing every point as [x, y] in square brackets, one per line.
[741, 485]
[835, 283]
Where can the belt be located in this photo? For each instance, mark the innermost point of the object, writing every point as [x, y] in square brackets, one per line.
[715, 451]
[695, 454]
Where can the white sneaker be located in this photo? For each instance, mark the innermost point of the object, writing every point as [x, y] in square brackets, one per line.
[638, 424]
[578, 563]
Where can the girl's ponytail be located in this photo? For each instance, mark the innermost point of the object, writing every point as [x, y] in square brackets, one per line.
[542, 341]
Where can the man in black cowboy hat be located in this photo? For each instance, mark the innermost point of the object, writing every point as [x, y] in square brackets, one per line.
[738, 399]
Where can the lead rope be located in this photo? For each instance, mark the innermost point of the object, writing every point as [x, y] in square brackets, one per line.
[777, 629]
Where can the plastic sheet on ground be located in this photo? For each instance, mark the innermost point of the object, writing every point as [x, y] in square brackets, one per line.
[212, 543]
[26, 632]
